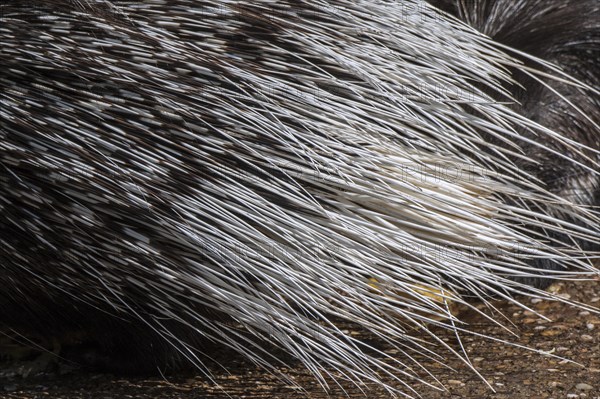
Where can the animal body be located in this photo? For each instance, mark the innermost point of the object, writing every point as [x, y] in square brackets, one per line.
[245, 173]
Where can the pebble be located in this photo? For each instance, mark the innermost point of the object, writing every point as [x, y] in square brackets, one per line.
[564, 295]
[583, 387]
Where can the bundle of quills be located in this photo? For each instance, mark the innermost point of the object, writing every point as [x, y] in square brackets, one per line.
[249, 173]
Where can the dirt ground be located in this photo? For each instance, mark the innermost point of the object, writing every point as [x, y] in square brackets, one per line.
[511, 372]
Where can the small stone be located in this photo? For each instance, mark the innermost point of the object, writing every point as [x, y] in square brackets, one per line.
[551, 332]
[583, 387]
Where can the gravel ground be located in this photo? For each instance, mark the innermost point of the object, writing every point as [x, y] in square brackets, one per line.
[511, 372]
